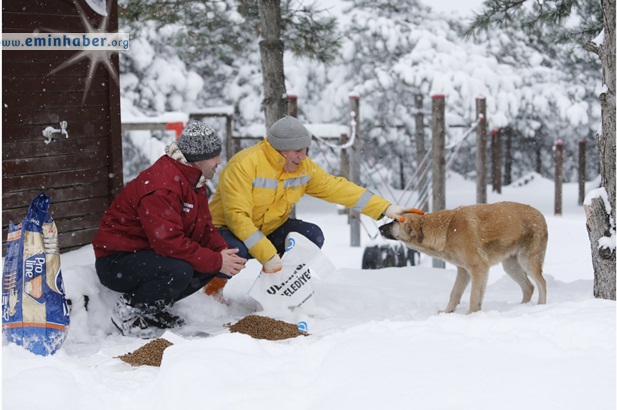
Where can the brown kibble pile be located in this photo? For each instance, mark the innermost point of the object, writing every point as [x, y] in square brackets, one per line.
[150, 354]
[261, 327]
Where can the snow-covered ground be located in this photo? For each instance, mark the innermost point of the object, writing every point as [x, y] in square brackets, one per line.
[376, 337]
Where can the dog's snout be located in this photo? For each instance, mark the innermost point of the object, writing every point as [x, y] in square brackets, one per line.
[386, 230]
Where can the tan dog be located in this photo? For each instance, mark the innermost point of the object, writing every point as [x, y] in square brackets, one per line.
[476, 237]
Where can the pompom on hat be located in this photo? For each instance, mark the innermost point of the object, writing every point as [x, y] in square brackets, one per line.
[199, 142]
[289, 134]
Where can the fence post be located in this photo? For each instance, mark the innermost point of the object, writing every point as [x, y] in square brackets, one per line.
[496, 156]
[582, 146]
[481, 150]
[292, 109]
[354, 169]
[344, 158]
[420, 147]
[558, 148]
[438, 163]
[507, 178]
[229, 144]
[401, 171]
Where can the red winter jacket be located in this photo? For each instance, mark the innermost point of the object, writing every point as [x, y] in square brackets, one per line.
[162, 210]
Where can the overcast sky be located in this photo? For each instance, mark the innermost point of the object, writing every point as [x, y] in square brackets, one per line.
[465, 7]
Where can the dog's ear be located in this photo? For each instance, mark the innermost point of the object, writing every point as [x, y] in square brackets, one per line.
[413, 228]
[419, 230]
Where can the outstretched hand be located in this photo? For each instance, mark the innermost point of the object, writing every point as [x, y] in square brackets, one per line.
[395, 211]
[232, 263]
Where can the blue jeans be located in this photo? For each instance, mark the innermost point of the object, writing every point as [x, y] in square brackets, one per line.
[311, 231]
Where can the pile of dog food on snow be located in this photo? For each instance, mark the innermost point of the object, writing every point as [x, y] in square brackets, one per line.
[258, 327]
[261, 327]
[150, 354]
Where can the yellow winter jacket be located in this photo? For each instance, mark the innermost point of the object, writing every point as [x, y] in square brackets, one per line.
[255, 196]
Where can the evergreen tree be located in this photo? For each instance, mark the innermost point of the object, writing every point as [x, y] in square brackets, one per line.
[559, 57]
[389, 55]
[211, 45]
[200, 42]
[401, 50]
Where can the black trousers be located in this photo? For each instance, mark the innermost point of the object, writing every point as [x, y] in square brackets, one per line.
[146, 277]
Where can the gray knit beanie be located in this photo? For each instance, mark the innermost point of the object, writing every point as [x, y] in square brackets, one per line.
[199, 142]
[288, 134]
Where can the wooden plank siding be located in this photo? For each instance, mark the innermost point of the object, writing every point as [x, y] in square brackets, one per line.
[82, 173]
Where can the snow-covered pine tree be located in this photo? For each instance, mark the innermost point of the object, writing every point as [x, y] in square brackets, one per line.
[183, 53]
[272, 49]
[388, 55]
[397, 51]
[301, 29]
[210, 50]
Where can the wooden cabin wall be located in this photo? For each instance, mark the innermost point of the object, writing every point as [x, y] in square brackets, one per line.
[82, 173]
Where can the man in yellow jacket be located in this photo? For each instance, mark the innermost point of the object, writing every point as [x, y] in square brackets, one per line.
[259, 186]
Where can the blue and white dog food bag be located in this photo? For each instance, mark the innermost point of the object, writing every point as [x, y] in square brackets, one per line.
[35, 312]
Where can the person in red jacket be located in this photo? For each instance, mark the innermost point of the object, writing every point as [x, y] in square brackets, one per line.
[156, 243]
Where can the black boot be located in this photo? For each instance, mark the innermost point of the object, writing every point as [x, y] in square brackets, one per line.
[131, 319]
[159, 315]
